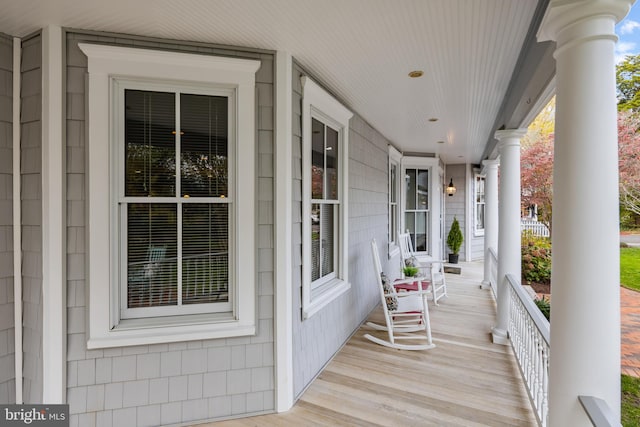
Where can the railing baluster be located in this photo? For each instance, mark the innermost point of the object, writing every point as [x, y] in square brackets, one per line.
[529, 335]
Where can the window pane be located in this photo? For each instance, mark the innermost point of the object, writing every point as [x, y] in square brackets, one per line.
[393, 223]
[151, 255]
[327, 237]
[205, 253]
[480, 217]
[317, 159]
[332, 163]
[423, 189]
[203, 145]
[410, 222]
[315, 241]
[421, 232]
[150, 153]
[411, 188]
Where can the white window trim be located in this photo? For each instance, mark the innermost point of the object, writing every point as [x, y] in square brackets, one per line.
[316, 102]
[104, 62]
[477, 232]
[435, 198]
[395, 158]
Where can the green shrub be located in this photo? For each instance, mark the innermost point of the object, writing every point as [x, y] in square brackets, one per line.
[454, 238]
[536, 259]
[545, 307]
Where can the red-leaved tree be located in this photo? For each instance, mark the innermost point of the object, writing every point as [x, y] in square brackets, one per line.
[629, 161]
[536, 164]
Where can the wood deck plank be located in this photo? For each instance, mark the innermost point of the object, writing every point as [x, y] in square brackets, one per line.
[465, 381]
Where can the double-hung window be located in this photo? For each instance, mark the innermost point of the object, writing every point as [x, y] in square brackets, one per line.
[325, 129]
[479, 203]
[416, 209]
[175, 222]
[171, 233]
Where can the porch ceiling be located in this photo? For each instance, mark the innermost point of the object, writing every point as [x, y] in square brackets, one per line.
[362, 50]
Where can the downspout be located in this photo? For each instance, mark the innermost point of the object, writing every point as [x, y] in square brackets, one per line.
[17, 216]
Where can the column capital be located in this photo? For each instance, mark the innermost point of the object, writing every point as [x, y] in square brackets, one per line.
[488, 165]
[509, 137]
[561, 15]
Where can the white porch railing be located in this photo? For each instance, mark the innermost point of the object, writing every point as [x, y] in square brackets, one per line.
[536, 227]
[492, 256]
[530, 339]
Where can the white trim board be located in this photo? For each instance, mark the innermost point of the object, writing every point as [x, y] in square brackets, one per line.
[54, 313]
[283, 234]
[17, 223]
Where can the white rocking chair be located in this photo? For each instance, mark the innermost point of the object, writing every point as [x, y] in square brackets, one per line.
[405, 313]
[431, 267]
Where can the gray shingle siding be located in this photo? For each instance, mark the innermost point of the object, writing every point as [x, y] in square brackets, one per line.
[7, 329]
[178, 382]
[31, 188]
[317, 339]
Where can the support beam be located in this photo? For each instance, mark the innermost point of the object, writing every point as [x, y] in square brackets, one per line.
[491, 224]
[585, 330]
[509, 228]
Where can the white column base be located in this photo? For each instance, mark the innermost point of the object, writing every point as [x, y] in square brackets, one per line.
[485, 284]
[499, 336]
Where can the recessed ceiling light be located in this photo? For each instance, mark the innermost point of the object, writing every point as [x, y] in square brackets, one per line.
[433, 119]
[440, 142]
[416, 73]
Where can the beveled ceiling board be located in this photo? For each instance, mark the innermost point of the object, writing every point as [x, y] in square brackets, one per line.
[362, 50]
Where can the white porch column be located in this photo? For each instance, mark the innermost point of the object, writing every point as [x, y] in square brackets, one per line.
[585, 330]
[509, 227]
[490, 171]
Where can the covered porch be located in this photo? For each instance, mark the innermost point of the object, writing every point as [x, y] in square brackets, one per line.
[465, 381]
[345, 120]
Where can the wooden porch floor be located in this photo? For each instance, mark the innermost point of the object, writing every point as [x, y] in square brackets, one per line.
[465, 381]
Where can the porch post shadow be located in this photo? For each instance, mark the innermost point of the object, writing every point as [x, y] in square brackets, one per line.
[585, 327]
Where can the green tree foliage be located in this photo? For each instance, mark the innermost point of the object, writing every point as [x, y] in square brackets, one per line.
[542, 127]
[628, 83]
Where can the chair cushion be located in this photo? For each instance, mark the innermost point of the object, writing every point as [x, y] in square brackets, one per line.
[390, 298]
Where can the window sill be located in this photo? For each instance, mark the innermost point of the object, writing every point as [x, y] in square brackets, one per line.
[478, 233]
[161, 330]
[333, 290]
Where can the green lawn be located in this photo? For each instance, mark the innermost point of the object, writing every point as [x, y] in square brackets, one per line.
[630, 401]
[630, 268]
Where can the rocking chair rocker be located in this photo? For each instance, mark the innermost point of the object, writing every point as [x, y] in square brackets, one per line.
[405, 313]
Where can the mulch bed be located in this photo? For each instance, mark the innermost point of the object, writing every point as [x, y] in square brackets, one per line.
[541, 288]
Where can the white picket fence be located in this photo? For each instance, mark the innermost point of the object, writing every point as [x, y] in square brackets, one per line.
[536, 227]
